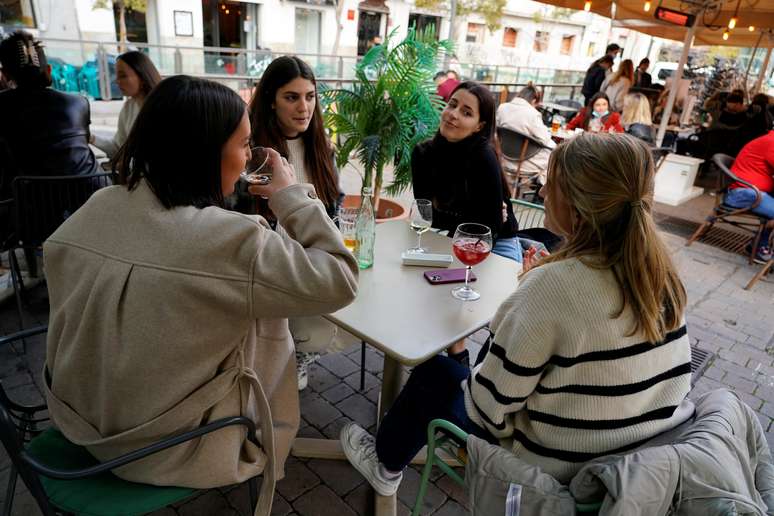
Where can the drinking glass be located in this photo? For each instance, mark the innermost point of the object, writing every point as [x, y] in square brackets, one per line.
[420, 219]
[257, 171]
[347, 218]
[471, 244]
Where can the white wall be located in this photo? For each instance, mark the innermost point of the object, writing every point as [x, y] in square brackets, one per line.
[96, 24]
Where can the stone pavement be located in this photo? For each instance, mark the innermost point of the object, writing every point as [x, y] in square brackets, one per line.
[736, 325]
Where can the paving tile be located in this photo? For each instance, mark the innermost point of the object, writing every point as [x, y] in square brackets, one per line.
[358, 408]
[333, 430]
[280, 506]
[320, 379]
[453, 490]
[317, 410]
[353, 380]
[339, 475]
[361, 499]
[311, 433]
[409, 487]
[298, 480]
[338, 364]
[209, 502]
[322, 501]
[451, 508]
[338, 392]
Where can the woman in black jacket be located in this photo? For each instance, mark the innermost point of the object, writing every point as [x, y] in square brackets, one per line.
[459, 171]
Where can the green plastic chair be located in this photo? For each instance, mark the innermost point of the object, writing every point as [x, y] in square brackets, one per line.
[62, 476]
[446, 436]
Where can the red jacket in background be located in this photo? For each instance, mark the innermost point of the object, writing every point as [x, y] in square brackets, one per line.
[755, 164]
[446, 88]
[610, 120]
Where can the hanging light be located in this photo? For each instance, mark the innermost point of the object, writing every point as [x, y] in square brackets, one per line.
[751, 28]
[646, 7]
[735, 17]
[725, 35]
[587, 6]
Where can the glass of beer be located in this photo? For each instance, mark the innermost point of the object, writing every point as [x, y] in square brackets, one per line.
[346, 220]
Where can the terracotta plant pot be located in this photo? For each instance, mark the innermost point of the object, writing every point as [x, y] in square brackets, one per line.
[388, 209]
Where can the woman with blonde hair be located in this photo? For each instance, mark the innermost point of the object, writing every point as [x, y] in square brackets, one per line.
[617, 85]
[636, 117]
[589, 356]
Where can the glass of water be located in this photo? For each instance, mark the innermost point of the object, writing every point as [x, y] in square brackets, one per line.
[257, 171]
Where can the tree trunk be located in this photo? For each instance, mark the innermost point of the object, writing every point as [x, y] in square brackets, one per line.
[339, 27]
[122, 27]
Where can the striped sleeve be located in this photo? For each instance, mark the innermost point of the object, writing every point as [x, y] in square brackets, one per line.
[521, 347]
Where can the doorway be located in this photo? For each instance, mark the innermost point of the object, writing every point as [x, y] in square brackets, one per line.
[368, 27]
[308, 23]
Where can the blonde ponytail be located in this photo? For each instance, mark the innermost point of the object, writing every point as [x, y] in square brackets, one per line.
[608, 180]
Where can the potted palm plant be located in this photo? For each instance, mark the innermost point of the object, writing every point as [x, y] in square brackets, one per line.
[390, 107]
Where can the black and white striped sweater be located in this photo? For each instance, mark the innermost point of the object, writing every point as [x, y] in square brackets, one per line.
[563, 384]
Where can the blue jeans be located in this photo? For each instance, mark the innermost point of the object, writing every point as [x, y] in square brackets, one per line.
[744, 197]
[432, 391]
[509, 248]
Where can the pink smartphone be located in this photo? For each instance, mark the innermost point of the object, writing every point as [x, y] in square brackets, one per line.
[441, 276]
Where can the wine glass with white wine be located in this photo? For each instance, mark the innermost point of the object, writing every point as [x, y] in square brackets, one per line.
[420, 219]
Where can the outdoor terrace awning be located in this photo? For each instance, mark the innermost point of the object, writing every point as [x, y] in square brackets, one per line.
[631, 14]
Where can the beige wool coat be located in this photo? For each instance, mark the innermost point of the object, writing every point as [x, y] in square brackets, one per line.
[164, 320]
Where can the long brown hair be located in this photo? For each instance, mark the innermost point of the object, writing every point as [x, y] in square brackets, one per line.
[625, 69]
[608, 180]
[588, 111]
[318, 156]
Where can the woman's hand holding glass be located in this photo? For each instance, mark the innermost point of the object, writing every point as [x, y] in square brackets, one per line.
[267, 172]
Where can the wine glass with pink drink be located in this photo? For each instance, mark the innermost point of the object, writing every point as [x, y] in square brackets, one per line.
[471, 244]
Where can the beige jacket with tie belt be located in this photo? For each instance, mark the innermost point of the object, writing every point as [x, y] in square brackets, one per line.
[164, 320]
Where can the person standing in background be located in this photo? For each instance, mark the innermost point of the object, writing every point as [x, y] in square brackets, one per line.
[642, 78]
[595, 76]
[617, 85]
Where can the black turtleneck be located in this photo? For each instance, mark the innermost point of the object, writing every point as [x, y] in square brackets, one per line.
[464, 181]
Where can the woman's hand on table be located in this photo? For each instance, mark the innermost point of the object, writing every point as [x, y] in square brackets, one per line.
[283, 175]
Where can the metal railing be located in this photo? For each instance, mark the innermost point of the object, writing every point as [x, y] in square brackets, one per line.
[88, 67]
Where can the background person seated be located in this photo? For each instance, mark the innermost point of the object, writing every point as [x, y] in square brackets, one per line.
[755, 164]
[44, 132]
[636, 118]
[136, 76]
[590, 354]
[597, 117]
[520, 115]
[447, 87]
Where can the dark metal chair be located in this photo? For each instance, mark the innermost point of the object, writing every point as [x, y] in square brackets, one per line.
[569, 115]
[519, 148]
[39, 206]
[742, 218]
[62, 476]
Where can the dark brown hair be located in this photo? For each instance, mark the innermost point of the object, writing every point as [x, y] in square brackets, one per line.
[183, 113]
[318, 156]
[588, 110]
[24, 61]
[144, 68]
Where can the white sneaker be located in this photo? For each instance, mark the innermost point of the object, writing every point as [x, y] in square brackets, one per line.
[360, 448]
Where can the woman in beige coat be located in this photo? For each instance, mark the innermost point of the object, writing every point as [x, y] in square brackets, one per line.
[168, 312]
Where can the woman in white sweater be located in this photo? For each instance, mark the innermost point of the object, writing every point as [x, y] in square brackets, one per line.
[286, 116]
[589, 355]
[617, 85]
[136, 76]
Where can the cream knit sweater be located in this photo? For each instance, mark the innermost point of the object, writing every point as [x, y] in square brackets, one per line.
[563, 384]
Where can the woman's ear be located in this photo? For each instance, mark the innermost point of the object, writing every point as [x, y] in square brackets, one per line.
[479, 127]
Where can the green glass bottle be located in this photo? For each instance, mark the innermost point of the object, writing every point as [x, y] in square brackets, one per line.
[365, 231]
